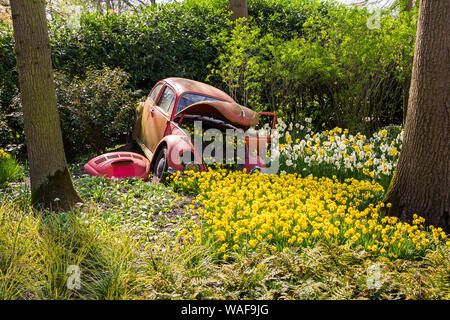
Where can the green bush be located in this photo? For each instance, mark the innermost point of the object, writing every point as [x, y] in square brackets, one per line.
[161, 41]
[12, 135]
[336, 71]
[96, 112]
[8, 75]
[283, 18]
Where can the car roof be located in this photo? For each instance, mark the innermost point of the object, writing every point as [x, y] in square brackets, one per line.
[182, 85]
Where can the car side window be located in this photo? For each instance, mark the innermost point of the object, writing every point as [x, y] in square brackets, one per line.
[166, 100]
[154, 94]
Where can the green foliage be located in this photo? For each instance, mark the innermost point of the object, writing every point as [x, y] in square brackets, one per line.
[12, 134]
[8, 76]
[244, 61]
[131, 203]
[36, 252]
[173, 39]
[283, 18]
[337, 70]
[96, 112]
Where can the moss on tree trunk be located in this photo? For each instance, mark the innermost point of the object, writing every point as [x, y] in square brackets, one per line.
[57, 193]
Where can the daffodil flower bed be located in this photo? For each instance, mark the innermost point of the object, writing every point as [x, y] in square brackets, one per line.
[256, 212]
[336, 152]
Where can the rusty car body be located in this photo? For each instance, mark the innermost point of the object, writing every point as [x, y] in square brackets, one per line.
[175, 102]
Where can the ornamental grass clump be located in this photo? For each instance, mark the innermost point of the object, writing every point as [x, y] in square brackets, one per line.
[10, 170]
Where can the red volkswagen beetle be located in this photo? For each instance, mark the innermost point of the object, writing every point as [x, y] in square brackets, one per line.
[164, 122]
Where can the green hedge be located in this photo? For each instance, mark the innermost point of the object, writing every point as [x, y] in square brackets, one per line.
[299, 69]
[170, 40]
[335, 70]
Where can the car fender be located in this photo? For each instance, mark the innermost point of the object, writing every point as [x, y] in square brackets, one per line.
[176, 146]
[254, 161]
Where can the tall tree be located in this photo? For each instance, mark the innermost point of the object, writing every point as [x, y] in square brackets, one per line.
[406, 5]
[238, 9]
[421, 183]
[51, 183]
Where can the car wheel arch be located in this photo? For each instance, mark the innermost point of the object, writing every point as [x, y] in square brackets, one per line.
[161, 145]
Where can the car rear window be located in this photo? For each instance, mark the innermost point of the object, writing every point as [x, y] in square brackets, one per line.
[167, 100]
[190, 98]
[154, 94]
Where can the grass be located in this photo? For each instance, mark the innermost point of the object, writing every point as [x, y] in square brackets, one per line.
[37, 251]
[10, 170]
[118, 261]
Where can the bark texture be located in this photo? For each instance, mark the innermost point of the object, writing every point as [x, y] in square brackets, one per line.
[50, 178]
[421, 183]
[238, 9]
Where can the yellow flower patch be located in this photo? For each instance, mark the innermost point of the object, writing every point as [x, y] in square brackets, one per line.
[4, 154]
[274, 212]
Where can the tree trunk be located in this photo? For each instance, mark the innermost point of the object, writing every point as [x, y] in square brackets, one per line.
[407, 82]
[99, 6]
[51, 183]
[405, 92]
[238, 9]
[421, 183]
[409, 4]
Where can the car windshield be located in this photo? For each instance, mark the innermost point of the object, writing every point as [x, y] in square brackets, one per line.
[190, 98]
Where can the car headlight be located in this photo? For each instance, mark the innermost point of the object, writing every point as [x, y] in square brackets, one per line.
[193, 167]
[255, 169]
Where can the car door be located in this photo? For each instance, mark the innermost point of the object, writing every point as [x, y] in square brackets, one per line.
[149, 103]
[158, 116]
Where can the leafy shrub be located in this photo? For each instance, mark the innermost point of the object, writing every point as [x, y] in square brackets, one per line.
[283, 18]
[12, 135]
[8, 75]
[161, 41]
[96, 112]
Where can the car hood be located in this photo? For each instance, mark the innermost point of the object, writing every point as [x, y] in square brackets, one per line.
[229, 112]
